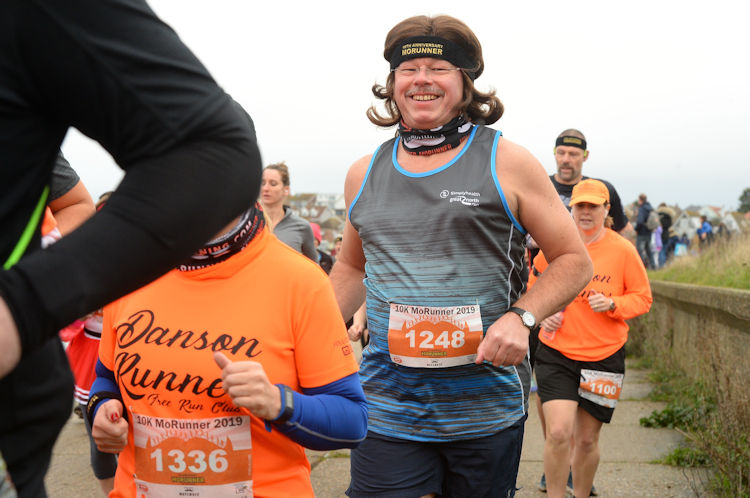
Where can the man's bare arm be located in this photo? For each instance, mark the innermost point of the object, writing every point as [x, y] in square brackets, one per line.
[349, 269]
[72, 208]
[534, 202]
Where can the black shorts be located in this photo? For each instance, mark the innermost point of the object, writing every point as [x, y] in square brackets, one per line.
[559, 377]
[387, 467]
[533, 345]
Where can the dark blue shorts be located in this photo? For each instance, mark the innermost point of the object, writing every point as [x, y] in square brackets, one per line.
[396, 468]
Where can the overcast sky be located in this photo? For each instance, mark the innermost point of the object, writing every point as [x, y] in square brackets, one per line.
[661, 89]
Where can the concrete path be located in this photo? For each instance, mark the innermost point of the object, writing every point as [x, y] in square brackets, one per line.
[627, 450]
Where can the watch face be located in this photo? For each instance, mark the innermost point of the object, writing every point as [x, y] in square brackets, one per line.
[528, 319]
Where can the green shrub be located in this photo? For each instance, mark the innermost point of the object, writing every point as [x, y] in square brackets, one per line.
[686, 456]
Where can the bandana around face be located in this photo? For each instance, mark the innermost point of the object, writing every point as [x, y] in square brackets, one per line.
[436, 140]
[222, 248]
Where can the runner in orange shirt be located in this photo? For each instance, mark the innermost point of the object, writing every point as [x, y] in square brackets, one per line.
[580, 361]
[213, 378]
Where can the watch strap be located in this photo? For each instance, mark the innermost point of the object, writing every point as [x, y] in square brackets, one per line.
[287, 404]
[521, 312]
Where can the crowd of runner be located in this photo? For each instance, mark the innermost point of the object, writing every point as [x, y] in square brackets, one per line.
[223, 347]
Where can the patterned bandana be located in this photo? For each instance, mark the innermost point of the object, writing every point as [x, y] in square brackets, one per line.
[436, 140]
[215, 251]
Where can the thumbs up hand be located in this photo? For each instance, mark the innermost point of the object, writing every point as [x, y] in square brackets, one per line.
[247, 384]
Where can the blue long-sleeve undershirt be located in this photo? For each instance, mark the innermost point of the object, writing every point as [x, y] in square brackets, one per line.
[328, 417]
[325, 418]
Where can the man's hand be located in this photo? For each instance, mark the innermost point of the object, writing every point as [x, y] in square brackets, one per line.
[355, 331]
[247, 384]
[359, 324]
[110, 430]
[552, 322]
[10, 342]
[506, 342]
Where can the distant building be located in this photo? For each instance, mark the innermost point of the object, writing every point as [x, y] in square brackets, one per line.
[735, 222]
[689, 220]
[326, 209]
[687, 223]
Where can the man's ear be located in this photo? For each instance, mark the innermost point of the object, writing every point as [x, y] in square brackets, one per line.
[585, 154]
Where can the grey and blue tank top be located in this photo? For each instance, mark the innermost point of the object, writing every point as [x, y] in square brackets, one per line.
[441, 238]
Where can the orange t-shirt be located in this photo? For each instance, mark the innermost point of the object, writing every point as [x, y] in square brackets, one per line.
[267, 304]
[586, 335]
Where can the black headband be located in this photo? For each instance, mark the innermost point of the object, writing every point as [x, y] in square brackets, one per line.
[415, 47]
[571, 142]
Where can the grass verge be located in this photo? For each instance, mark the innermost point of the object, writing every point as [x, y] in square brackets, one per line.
[716, 429]
[725, 263]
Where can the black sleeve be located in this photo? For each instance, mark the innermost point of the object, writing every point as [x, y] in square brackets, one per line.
[615, 208]
[164, 208]
[116, 72]
[122, 77]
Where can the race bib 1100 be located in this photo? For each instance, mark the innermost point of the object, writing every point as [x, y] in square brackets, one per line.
[602, 388]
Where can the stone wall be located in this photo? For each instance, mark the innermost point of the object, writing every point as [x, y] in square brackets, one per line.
[704, 330]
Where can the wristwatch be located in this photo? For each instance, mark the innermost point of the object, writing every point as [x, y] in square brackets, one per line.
[612, 305]
[287, 404]
[527, 317]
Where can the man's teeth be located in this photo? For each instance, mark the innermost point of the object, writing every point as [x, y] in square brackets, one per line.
[425, 97]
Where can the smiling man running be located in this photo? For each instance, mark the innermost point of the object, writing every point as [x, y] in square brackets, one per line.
[439, 215]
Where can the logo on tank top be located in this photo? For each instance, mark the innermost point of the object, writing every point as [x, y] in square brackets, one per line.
[461, 197]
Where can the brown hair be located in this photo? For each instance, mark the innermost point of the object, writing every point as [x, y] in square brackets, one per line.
[283, 171]
[480, 108]
[571, 132]
[609, 222]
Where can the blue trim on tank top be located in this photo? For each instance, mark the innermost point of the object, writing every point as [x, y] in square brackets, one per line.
[493, 170]
[362, 187]
[434, 171]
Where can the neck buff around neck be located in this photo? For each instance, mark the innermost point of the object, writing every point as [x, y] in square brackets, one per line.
[436, 140]
[222, 248]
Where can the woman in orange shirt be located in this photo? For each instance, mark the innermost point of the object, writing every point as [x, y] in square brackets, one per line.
[213, 379]
[580, 361]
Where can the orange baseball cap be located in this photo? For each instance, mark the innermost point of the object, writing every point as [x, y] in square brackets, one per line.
[591, 191]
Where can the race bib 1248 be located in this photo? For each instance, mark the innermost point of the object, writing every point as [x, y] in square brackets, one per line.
[434, 337]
